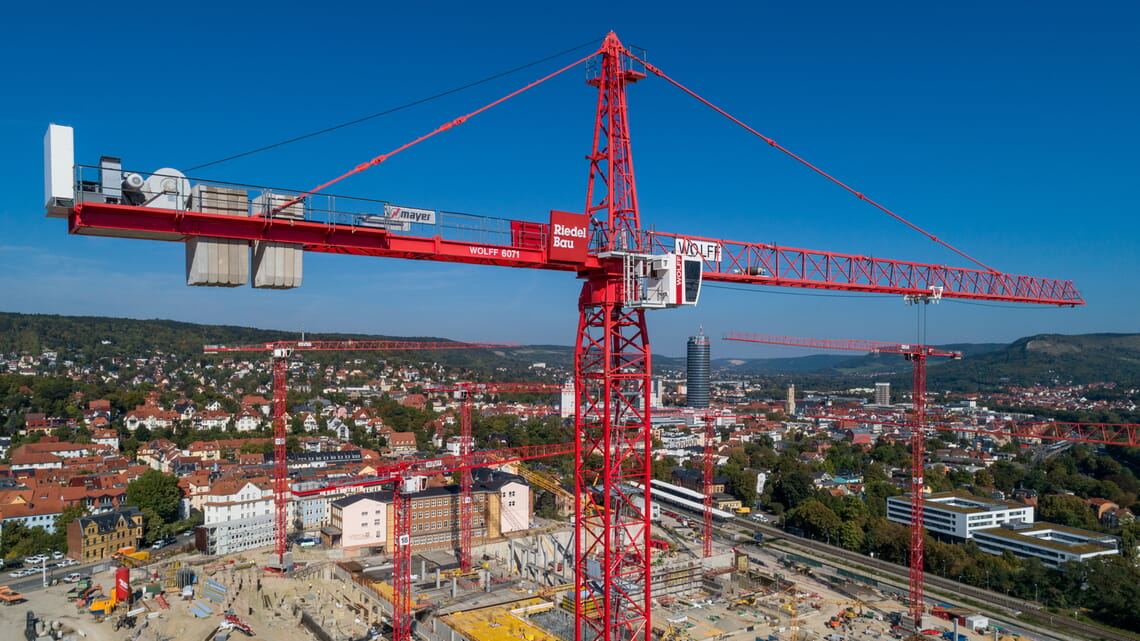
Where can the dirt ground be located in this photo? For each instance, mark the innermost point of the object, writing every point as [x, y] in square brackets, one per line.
[325, 601]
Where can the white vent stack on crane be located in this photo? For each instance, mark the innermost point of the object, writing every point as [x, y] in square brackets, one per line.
[210, 262]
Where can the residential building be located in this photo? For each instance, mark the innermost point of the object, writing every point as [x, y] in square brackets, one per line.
[958, 515]
[98, 537]
[106, 437]
[402, 442]
[237, 515]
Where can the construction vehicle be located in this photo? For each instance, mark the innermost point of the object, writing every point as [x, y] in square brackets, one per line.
[234, 621]
[84, 598]
[78, 588]
[132, 558]
[104, 605]
[10, 596]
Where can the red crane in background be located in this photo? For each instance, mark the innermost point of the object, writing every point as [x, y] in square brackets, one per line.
[626, 269]
[917, 355]
[401, 543]
[467, 445]
[708, 418]
[281, 350]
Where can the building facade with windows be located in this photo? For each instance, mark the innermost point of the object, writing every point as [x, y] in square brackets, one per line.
[1050, 543]
[958, 515]
[99, 537]
[502, 504]
[237, 515]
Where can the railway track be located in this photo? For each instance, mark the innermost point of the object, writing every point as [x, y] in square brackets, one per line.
[1059, 623]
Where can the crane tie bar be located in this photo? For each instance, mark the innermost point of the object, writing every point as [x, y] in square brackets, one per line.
[444, 127]
[807, 164]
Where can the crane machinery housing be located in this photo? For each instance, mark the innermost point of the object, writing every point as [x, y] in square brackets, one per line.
[234, 234]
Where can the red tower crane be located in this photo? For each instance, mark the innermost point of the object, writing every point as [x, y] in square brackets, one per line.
[281, 350]
[708, 417]
[917, 355]
[467, 445]
[626, 269]
[401, 544]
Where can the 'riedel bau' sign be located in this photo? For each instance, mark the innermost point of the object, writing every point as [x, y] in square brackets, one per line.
[568, 237]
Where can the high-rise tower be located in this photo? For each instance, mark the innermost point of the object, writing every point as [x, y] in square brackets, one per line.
[882, 393]
[791, 410]
[698, 370]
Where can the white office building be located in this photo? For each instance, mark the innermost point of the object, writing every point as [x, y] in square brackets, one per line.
[1052, 544]
[959, 515]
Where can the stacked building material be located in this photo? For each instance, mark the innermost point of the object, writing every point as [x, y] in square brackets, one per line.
[277, 265]
[218, 262]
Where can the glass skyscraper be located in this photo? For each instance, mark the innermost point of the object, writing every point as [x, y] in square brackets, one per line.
[698, 370]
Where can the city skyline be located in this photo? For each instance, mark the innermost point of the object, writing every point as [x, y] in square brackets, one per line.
[1008, 137]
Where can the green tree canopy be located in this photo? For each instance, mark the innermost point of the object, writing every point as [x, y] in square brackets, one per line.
[155, 491]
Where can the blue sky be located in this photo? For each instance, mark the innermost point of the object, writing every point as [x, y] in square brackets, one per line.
[1008, 129]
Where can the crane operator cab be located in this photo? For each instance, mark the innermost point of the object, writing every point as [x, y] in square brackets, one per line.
[662, 281]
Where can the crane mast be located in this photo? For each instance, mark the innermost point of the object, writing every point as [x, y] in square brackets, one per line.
[612, 379]
[466, 446]
[917, 355]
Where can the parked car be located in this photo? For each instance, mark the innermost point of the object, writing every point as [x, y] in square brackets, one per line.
[18, 574]
[66, 563]
[74, 577]
[35, 559]
[57, 555]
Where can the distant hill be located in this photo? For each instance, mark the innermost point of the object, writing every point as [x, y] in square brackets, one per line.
[94, 337]
[1042, 359]
[1046, 359]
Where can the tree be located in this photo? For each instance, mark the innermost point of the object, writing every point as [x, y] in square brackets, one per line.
[891, 541]
[1066, 509]
[662, 468]
[792, 488]
[155, 491]
[255, 447]
[65, 517]
[742, 484]
[814, 518]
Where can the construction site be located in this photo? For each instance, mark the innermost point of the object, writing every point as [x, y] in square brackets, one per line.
[519, 589]
[618, 571]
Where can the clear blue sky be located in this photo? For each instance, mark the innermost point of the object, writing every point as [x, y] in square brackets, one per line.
[1008, 129]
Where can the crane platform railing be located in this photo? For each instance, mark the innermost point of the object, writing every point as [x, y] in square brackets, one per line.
[327, 209]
